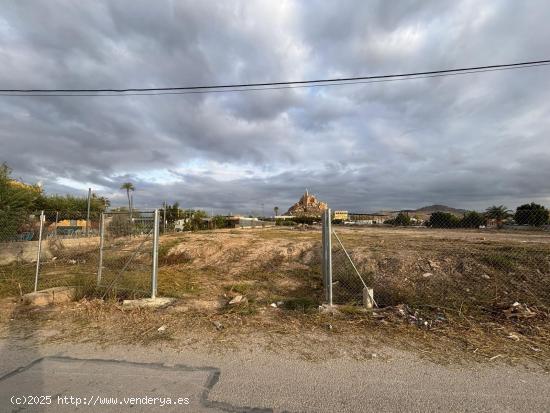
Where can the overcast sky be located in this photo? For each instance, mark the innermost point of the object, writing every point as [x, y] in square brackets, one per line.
[466, 141]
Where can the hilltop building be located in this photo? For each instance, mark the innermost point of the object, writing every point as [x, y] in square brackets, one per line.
[308, 206]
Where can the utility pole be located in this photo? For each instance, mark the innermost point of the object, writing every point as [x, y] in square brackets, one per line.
[88, 213]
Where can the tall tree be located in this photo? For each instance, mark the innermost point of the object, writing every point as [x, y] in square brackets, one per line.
[17, 201]
[498, 213]
[531, 214]
[128, 186]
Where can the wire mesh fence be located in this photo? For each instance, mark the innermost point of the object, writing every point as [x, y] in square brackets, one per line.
[110, 252]
[19, 252]
[69, 249]
[126, 245]
[347, 282]
[446, 260]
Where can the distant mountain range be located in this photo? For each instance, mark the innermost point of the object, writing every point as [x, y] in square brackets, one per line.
[440, 208]
[427, 210]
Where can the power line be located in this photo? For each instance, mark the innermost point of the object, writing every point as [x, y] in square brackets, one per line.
[266, 88]
[269, 85]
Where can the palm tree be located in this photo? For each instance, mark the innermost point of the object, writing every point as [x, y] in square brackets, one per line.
[276, 210]
[128, 186]
[498, 213]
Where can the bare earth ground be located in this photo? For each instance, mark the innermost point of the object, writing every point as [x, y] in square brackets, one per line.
[486, 297]
[463, 323]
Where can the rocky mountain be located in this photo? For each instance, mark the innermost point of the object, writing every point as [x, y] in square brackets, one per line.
[308, 205]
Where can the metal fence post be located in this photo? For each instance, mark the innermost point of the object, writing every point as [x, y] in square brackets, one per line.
[324, 254]
[101, 237]
[329, 255]
[42, 218]
[155, 255]
[88, 212]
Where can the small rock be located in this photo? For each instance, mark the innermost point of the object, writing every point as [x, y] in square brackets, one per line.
[329, 326]
[427, 274]
[513, 336]
[372, 356]
[238, 299]
[485, 277]
[273, 305]
[433, 264]
[218, 325]
[161, 328]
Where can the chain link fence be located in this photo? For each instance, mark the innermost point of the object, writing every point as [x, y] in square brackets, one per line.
[110, 254]
[19, 254]
[126, 253]
[442, 260]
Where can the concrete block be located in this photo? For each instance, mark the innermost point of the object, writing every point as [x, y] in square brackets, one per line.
[368, 297]
[158, 302]
[49, 296]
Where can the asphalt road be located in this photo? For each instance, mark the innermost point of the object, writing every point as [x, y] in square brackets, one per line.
[139, 379]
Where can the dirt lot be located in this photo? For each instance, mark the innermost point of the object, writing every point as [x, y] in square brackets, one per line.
[448, 294]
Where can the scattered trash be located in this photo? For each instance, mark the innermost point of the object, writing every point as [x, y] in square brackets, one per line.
[72, 261]
[518, 310]
[280, 303]
[54, 258]
[161, 328]
[218, 325]
[495, 357]
[427, 274]
[485, 277]
[402, 310]
[329, 326]
[273, 305]
[535, 349]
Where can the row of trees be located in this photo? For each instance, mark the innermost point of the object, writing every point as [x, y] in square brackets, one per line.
[528, 214]
[19, 200]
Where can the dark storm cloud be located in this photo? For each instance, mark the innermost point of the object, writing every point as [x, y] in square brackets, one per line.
[467, 140]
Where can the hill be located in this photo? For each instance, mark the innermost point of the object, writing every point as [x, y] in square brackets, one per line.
[440, 208]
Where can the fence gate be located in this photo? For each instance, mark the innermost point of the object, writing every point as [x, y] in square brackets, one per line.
[128, 246]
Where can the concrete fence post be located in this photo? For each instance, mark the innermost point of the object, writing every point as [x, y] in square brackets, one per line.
[155, 255]
[368, 297]
[101, 238]
[42, 219]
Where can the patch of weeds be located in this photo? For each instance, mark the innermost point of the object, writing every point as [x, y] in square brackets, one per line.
[240, 288]
[303, 304]
[248, 308]
[177, 282]
[165, 258]
[499, 261]
[351, 309]
[16, 279]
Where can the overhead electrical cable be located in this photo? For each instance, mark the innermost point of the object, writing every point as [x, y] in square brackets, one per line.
[245, 87]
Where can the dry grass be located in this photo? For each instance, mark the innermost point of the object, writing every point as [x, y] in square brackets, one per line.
[460, 311]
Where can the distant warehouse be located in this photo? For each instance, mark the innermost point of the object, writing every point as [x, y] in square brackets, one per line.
[341, 215]
[360, 218]
[368, 219]
[247, 222]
